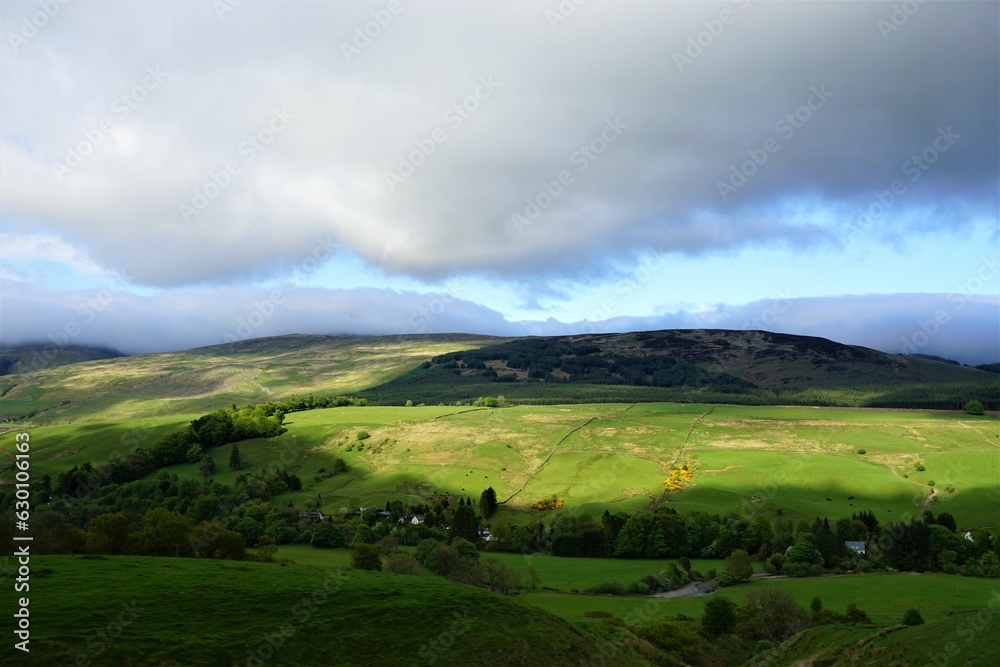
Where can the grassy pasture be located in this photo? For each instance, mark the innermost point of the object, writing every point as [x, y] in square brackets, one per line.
[885, 597]
[561, 574]
[608, 456]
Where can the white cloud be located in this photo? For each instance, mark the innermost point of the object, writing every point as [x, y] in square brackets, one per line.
[20, 253]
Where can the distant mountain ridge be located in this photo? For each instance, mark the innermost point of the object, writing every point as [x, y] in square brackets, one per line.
[38, 356]
[668, 364]
[694, 365]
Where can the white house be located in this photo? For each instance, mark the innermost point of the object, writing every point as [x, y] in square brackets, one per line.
[856, 547]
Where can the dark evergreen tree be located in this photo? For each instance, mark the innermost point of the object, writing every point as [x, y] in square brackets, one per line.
[235, 459]
[488, 503]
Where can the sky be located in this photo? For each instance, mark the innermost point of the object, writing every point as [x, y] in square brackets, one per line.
[177, 174]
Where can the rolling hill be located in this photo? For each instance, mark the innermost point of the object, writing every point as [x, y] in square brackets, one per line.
[204, 379]
[704, 366]
[28, 358]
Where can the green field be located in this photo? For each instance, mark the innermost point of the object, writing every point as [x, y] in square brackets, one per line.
[608, 456]
[561, 574]
[885, 597]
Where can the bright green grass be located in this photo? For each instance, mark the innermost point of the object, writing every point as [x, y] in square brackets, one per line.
[799, 483]
[202, 612]
[609, 456]
[885, 597]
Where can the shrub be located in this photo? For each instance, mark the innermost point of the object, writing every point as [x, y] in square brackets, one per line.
[856, 616]
[862, 451]
[719, 618]
[913, 617]
[402, 564]
[328, 535]
[921, 467]
[363, 435]
[737, 566]
[366, 557]
[207, 466]
[974, 408]
[465, 548]
[606, 588]
[680, 643]
[638, 588]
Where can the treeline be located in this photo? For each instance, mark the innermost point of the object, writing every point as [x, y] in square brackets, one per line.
[459, 378]
[555, 360]
[800, 548]
[191, 445]
[167, 516]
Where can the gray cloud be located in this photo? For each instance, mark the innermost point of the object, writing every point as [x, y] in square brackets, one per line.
[348, 123]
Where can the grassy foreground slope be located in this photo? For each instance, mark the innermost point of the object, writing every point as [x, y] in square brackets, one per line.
[201, 612]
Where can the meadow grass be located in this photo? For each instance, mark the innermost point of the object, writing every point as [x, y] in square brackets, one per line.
[885, 597]
[601, 457]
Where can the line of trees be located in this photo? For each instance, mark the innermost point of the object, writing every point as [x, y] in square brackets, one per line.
[191, 444]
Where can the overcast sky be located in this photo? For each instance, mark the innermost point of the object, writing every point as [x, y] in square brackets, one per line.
[175, 174]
